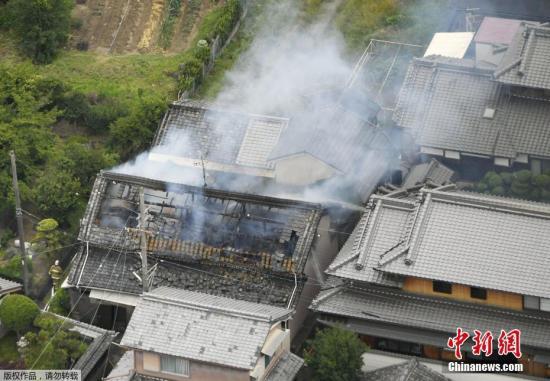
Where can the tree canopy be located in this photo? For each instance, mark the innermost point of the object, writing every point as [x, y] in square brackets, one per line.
[42, 26]
[17, 312]
[335, 355]
[521, 184]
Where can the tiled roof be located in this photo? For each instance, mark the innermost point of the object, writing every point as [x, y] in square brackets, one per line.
[526, 61]
[286, 368]
[411, 370]
[494, 243]
[113, 270]
[444, 102]
[201, 327]
[123, 369]
[451, 236]
[336, 135]
[359, 256]
[432, 171]
[395, 307]
[7, 286]
[201, 128]
[497, 31]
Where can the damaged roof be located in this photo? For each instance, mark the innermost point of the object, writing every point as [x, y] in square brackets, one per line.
[201, 327]
[525, 63]
[497, 31]
[456, 105]
[432, 172]
[451, 236]
[115, 270]
[197, 224]
[428, 314]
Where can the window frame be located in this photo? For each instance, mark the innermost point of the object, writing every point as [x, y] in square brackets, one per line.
[186, 365]
[474, 290]
[436, 283]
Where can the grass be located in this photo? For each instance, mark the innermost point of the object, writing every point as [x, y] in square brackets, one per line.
[8, 348]
[122, 77]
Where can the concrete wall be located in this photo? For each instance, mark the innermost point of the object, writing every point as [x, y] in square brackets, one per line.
[148, 363]
[302, 169]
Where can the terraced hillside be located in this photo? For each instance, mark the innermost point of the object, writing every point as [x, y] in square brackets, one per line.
[125, 26]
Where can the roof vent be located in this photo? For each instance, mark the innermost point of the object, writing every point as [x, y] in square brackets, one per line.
[489, 113]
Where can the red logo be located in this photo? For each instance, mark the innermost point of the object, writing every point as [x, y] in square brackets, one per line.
[508, 342]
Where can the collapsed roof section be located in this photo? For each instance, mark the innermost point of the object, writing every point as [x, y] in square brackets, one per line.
[452, 236]
[195, 224]
[117, 273]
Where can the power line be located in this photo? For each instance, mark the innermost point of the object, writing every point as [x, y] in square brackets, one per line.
[80, 297]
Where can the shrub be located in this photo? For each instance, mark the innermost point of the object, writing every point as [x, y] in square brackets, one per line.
[42, 26]
[17, 312]
[60, 303]
[335, 355]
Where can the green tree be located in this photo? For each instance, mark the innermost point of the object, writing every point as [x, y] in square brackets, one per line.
[42, 26]
[54, 346]
[133, 133]
[17, 312]
[56, 192]
[335, 355]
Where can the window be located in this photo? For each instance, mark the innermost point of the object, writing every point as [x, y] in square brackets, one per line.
[531, 303]
[176, 365]
[443, 287]
[267, 361]
[478, 293]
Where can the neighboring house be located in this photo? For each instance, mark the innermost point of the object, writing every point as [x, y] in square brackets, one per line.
[460, 109]
[185, 335]
[410, 370]
[241, 246]
[421, 263]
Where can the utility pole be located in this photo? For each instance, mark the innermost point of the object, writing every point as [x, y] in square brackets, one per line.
[19, 217]
[143, 241]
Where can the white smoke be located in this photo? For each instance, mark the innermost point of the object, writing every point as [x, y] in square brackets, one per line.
[287, 63]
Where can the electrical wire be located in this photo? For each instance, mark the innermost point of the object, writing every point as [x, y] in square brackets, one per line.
[79, 298]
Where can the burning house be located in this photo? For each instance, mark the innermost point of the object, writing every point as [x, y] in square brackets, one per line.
[332, 144]
[139, 234]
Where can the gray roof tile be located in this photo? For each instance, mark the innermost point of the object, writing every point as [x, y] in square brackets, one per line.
[443, 101]
[433, 172]
[286, 368]
[247, 139]
[493, 243]
[200, 327]
[411, 370]
[451, 236]
[434, 314]
[526, 60]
